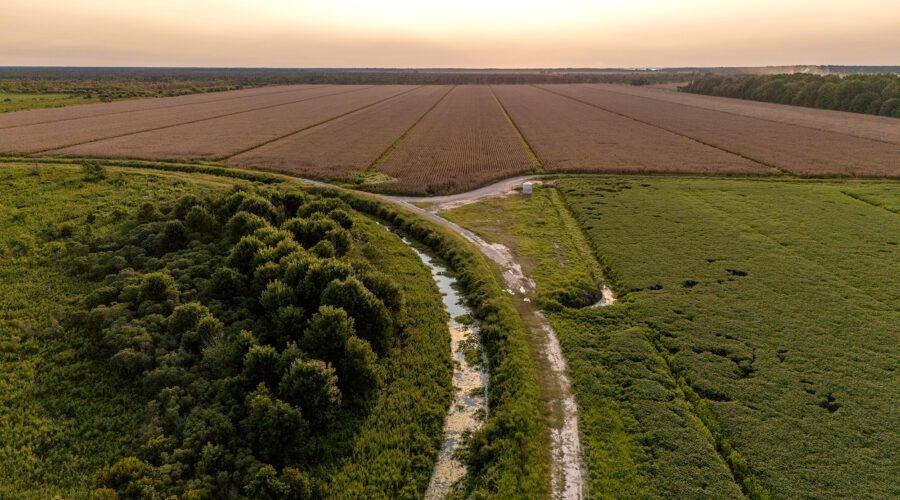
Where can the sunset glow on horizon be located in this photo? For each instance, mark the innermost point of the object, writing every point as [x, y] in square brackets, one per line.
[463, 33]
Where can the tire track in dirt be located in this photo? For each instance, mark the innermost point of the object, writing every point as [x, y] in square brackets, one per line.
[535, 159]
[373, 167]
[568, 475]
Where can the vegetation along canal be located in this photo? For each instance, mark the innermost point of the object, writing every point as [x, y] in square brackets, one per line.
[469, 406]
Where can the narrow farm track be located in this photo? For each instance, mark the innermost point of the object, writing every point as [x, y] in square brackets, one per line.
[567, 467]
[568, 478]
[402, 137]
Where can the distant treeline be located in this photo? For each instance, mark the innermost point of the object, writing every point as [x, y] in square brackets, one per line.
[871, 94]
[119, 83]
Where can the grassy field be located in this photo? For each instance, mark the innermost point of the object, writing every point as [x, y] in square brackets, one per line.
[17, 102]
[61, 413]
[65, 412]
[754, 346]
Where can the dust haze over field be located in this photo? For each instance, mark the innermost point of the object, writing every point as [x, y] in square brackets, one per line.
[467, 33]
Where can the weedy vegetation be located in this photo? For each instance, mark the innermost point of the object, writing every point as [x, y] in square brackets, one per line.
[753, 340]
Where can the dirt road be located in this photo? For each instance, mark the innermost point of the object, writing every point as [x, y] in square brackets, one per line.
[568, 474]
[568, 477]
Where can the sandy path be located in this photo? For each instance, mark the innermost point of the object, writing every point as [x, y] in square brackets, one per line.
[568, 475]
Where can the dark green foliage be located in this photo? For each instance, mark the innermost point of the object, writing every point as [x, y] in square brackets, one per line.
[341, 240]
[358, 370]
[93, 171]
[371, 317]
[243, 224]
[259, 206]
[506, 456]
[327, 334]
[276, 431]
[312, 386]
[157, 287]
[148, 212]
[341, 216]
[198, 219]
[261, 365]
[870, 94]
[211, 328]
[277, 295]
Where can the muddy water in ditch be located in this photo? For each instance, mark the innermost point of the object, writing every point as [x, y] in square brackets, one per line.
[469, 406]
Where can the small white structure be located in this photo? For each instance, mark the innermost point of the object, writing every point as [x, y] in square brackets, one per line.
[527, 187]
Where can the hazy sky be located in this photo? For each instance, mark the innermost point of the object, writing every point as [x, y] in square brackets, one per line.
[455, 33]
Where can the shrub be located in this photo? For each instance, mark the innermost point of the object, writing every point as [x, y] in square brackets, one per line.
[198, 219]
[371, 317]
[341, 216]
[275, 430]
[261, 365]
[358, 370]
[226, 282]
[185, 317]
[328, 332]
[276, 295]
[243, 255]
[158, 287]
[312, 385]
[244, 223]
[341, 240]
[93, 171]
[259, 206]
[148, 212]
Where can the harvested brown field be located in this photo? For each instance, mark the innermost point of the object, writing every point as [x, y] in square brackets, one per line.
[569, 136]
[797, 149]
[879, 128]
[464, 142]
[349, 144]
[220, 138]
[36, 116]
[56, 135]
[438, 139]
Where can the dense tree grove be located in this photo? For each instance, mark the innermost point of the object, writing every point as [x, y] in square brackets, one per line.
[254, 331]
[870, 94]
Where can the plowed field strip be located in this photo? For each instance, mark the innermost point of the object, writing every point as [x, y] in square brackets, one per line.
[880, 129]
[538, 164]
[801, 150]
[464, 142]
[390, 149]
[152, 108]
[651, 124]
[200, 120]
[347, 146]
[295, 132]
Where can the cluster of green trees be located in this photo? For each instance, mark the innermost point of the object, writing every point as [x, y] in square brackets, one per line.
[870, 94]
[254, 332]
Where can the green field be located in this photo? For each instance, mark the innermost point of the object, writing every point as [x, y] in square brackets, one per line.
[754, 346]
[10, 102]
